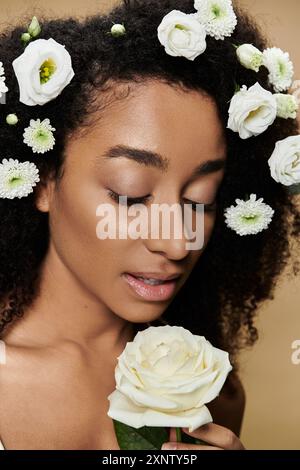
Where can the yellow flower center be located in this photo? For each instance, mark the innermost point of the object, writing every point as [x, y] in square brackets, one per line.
[15, 181]
[47, 69]
[217, 11]
[253, 114]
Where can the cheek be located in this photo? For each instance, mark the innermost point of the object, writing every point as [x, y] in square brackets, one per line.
[72, 221]
[73, 224]
[204, 224]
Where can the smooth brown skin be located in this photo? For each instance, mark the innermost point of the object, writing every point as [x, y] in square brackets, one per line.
[62, 354]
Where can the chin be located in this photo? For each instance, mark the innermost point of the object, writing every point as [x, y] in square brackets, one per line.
[143, 313]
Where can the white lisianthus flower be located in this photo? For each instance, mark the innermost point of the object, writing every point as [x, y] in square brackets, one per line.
[165, 376]
[281, 69]
[17, 179]
[249, 217]
[39, 136]
[287, 106]
[217, 16]
[43, 70]
[285, 161]
[250, 57]
[252, 111]
[182, 35]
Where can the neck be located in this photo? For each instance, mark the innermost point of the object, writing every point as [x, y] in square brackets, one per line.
[65, 310]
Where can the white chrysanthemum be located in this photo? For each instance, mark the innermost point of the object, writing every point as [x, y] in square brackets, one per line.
[1, 69]
[249, 217]
[17, 179]
[39, 135]
[217, 16]
[281, 69]
[287, 106]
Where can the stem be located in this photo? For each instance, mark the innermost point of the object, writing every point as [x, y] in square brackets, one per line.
[178, 434]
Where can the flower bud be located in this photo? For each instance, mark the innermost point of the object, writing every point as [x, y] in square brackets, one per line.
[25, 37]
[287, 106]
[12, 119]
[34, 28]
[250, 57]
[118, 30]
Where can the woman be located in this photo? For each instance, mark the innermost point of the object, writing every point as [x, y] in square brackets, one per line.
[131, 121]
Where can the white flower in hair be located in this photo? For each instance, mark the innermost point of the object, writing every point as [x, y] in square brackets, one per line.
[250, 57]
[182, 35]
[217, 16]
[3, 87]
[252, 111]
[43, 70]
[249, 217]
[281, 69]
[285, 161]
[17, 179]
[39, 136]
[287, 106]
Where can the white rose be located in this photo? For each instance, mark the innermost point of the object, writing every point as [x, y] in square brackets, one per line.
[252, 111]
[285, 161]
[165, 376]
[46, 57]
[250, 57]
[182, 35]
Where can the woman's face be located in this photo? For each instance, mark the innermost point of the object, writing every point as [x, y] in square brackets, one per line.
[184, 128]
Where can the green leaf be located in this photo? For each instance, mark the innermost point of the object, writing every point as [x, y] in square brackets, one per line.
[145, 438]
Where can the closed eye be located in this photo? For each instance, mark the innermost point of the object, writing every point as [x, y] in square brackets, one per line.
[130, 200]
[207, 207]
[142, 199]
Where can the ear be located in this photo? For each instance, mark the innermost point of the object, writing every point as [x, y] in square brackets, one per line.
[44, 195]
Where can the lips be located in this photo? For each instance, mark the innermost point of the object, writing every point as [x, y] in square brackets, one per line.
[154, 287]
[159, 276]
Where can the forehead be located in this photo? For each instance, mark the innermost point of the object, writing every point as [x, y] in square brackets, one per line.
[159, 117]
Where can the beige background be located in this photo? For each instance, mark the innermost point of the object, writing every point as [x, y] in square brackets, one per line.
[272, 382]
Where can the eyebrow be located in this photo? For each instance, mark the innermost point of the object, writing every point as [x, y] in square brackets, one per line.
[155, 160]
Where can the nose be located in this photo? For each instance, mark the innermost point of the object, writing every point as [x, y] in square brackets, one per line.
[169, 237]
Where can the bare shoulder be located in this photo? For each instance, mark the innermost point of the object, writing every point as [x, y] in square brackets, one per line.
[229, 407]
[35, 385]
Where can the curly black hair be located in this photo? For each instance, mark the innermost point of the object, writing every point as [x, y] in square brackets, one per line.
[235, 274]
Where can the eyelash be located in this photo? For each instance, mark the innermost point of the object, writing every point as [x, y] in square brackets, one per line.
[141, 200]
